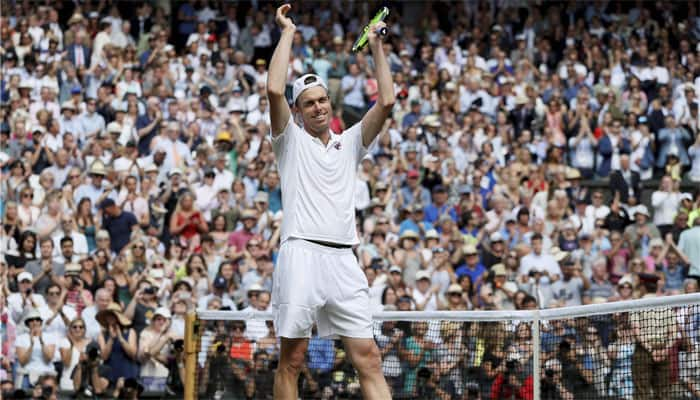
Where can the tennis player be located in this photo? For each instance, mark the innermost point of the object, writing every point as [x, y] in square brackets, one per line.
[318, 278]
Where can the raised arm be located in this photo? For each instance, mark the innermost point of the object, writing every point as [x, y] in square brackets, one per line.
[373, 121]
[277, 75]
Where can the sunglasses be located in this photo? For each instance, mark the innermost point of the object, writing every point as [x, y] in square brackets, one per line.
[30, 195]
[139, 247]
[454, 294]
[78, 327]
[53, 293]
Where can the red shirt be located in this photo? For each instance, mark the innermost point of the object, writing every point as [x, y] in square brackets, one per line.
[240, 239]
[73, 298]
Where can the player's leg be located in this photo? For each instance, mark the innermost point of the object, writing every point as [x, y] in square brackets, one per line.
[367, 360]
[291, 362]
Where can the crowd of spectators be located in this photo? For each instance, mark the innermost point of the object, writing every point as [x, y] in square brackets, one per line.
[138, 184]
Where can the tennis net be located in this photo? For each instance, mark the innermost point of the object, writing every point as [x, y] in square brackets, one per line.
[639, 349]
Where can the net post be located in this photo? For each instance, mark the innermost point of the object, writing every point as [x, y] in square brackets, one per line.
[536, 347]
[190, 356]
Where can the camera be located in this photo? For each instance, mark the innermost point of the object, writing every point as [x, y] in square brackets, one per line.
[549, 373]
[46, 391]
[511, 365]
[179, 345]
[93, 352]
[149, 290]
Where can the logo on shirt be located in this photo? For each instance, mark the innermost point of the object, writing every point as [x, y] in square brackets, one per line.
[337, 145]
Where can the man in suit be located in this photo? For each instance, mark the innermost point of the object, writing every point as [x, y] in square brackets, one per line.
[78, 52]
[610, 146]
[673, 139]
[625, 181]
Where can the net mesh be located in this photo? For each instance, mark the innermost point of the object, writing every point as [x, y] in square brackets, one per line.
[643, 349]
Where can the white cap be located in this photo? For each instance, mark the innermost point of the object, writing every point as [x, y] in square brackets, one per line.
[24, 276]
[163, 312]
[300, 85]
[422, 275]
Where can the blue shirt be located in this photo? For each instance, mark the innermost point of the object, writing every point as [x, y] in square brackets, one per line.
[410, 225]
[432, 212]
[474, 274]
[274, 199]
[408, 197]
[321, 354]
[119, 229]
[145, 142]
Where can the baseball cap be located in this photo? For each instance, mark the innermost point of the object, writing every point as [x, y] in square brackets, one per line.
[422, 275]
[163, 312]
[395, 268]
[306, 82]
[25, 276]
[412, 174]
[107, 203]
[219, 283]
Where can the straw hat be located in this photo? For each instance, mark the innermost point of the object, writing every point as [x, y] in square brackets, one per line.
[98, 168]
[116, 310]
[409, 234]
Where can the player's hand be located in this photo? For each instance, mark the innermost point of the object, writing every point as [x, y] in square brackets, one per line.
[283, 21]
[373, 34]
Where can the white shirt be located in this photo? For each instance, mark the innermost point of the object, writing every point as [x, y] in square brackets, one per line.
[542, 262]
[92, 327]
[318, 183]
[223, 179]
[80, 246]
[593, 213]
[36, 366]
[206, 199]
[665, 206]
[419, 298]
[17, 311]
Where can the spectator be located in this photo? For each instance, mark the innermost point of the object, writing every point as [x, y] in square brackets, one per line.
[119, 224]
[154, 346]
[73, 348]
[33, 364]
[117, 344]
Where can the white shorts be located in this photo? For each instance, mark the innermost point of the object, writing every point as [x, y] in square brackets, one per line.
[316, 283]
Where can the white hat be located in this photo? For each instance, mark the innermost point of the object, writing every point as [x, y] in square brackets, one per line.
[163, 312]
[114, 127]
[24, 276]
[395, 268]
[175, 171]
[432, 234]
[496, 237]
[642, 209]
[422, 275]
[306, 82]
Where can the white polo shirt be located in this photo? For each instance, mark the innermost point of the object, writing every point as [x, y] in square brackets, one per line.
[318, 183]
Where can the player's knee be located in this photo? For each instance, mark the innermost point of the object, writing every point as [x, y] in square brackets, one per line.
[369, 363]
[292, 364]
